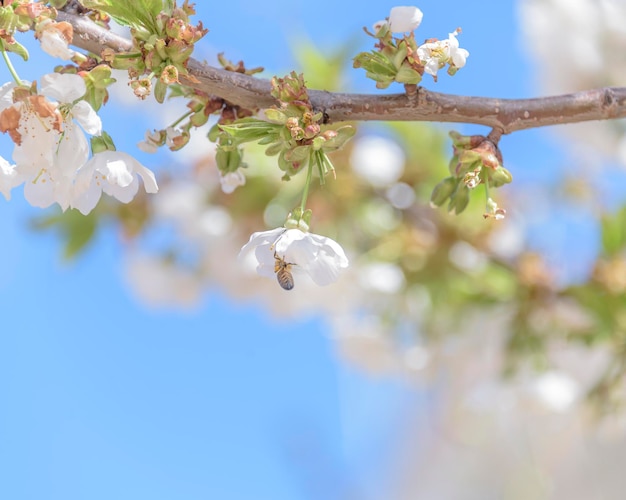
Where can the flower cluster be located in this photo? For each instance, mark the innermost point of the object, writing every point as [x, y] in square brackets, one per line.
[476, 160]
[51, 151]
[291, 131]
[163, 41]
[401, 59]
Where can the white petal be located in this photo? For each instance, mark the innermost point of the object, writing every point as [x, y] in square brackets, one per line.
[117, 172]
[119, 164]
[459, 57]
[124, 194]
[63, 87]
[147, 147]
[149, 180]
[53, 43]
[72, 151]
[6, 95]
[431, 67]
[87, 199]
[84, 114]
[39, 192]
[403, 19]
[283, 244]
[266, 260]
[38, 146]
[329, 262]
[261, 238]
[8, 178]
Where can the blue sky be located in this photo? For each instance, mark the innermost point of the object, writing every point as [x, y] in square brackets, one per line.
[103, 398]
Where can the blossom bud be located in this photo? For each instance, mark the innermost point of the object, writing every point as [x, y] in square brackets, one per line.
[329, 134]
[292, 122]
[459, 200]
[311, 130]
[500, 176]
[443, 191]
[403, 19]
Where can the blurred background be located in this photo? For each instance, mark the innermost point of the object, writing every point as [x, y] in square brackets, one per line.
[457, 358]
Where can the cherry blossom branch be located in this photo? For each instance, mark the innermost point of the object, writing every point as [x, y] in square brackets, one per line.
[503, 115]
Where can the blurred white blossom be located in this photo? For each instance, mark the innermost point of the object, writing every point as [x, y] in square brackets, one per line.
[589, 52]
[161, 282]
[378, 160]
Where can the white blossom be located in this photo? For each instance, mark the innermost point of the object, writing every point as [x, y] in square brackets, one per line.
[403, 19]
[114, 173]
[232, 180]
[49, 145]
[320, 257]
[53, 42]
[435, 55]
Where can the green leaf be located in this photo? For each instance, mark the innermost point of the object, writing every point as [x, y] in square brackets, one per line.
[274, 149]
[136, 13]
[344, 134]
[77, 229]
[375, 62]
[250, 129]
[298, 154]
[17, 48]
[443, 191]
[160, 90]
[459, 199]
[406, 74]
[80, 231]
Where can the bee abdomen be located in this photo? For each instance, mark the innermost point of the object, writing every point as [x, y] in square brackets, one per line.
[285, 279]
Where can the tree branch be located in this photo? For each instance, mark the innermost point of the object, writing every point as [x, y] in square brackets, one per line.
[505, 115]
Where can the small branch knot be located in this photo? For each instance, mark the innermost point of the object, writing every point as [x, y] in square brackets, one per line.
[608, 98]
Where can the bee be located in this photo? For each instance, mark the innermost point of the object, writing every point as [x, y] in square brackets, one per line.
[283, 273]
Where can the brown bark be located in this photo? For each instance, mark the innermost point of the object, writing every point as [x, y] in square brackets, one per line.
[503, 115]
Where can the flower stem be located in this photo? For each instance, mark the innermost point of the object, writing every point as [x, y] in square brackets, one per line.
[188, 113]
[9, 64]
[307, 183]
[487, 191]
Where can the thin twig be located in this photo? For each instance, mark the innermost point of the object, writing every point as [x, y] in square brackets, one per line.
[505, 115]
